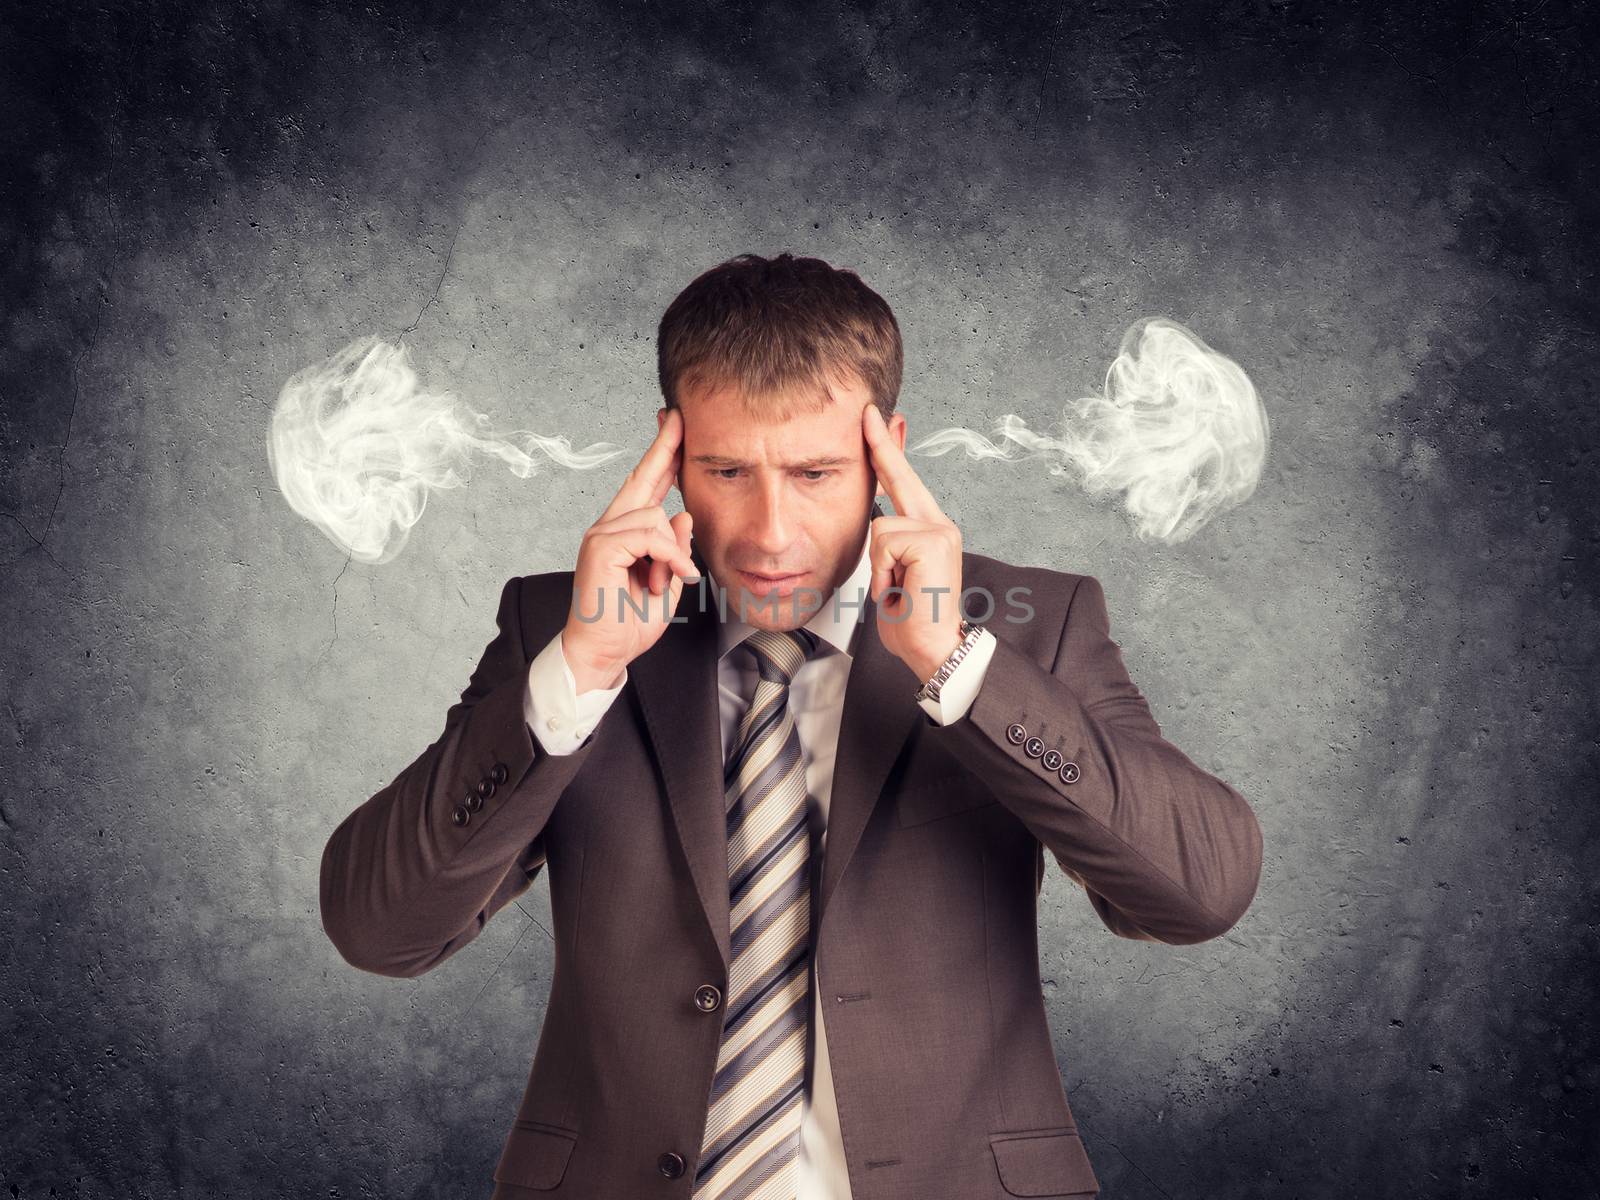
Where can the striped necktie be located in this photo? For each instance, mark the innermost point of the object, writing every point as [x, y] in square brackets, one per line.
[752, 1138]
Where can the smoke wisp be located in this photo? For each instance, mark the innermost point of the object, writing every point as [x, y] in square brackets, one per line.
[1179, 431]
[356, 446]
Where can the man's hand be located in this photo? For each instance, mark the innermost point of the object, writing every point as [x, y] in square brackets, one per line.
[631, 553]
[919, 550]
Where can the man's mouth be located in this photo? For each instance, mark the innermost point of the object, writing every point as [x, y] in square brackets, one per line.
[762, 583]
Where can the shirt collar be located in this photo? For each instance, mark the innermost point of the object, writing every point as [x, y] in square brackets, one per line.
[835, 622]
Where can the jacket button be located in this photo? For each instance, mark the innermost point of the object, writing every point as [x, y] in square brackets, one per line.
[1015, 734]
[472, 803]
[460, 815]
[670, 1164]
[500, 773]
[707, 997]
[1034, 747]
[485, 787]
[1069, 772]
[1052, 760]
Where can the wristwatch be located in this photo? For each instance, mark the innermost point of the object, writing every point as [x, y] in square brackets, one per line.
[970, 633]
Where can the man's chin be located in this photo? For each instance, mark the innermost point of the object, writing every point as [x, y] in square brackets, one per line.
[778, 610]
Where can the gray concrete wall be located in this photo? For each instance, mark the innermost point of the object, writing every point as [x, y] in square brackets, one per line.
[1391, 649]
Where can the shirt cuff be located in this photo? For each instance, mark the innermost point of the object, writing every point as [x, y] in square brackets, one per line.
[961, 689]
[557, 715]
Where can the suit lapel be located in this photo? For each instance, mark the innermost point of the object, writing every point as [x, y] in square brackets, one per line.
[878, 717]
[676, 683]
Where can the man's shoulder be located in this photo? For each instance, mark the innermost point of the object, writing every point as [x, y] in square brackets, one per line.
[542, 601]
[543, 584]
[975, 565]
[982, 570]
[1020, 593]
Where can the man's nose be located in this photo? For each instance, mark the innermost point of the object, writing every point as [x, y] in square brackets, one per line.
[773, 531]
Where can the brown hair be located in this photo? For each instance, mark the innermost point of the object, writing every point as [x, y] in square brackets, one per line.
[778, 331]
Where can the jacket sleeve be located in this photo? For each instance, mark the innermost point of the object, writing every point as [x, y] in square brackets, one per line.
[1165, 851]
[414, 873]
[560, 716]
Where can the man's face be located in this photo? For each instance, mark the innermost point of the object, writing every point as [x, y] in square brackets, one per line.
[790, 499]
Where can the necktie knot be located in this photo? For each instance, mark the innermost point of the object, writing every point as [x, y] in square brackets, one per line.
[779, 653]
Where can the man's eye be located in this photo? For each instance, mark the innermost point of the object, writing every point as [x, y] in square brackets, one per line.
[816, 475]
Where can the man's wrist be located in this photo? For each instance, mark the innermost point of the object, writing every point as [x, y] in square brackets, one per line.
[927, 669]
[924, 669]
[590, 678]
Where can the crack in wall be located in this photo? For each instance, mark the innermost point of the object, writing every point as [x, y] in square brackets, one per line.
[532, 922]
[444, 272]
[38, 540]
[335, 638]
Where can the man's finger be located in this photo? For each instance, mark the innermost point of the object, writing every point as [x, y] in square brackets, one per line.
[910, 495]
[652, 516]
[631, 545]
[882, 557]
[661, 573]
[651, 480]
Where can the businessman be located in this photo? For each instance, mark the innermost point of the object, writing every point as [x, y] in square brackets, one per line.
[793, 765]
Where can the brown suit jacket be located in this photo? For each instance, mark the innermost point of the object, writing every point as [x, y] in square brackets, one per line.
[924, 915]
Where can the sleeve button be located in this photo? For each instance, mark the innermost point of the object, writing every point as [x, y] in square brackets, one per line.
[460, 815]
[1052, 760]
[485, 787]
[473, 802]
[1015, 734]
[500, 773]
[1069, 772]
[1034, 747]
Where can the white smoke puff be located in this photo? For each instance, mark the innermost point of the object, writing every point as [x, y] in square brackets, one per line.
[1180, 432]
[356, 446]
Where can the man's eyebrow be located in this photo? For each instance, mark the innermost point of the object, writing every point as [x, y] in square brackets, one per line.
[810, 464]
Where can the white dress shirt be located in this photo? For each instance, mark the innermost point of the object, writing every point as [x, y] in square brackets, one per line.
[561, 719]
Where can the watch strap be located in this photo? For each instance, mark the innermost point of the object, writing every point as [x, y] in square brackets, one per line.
[970, 632]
